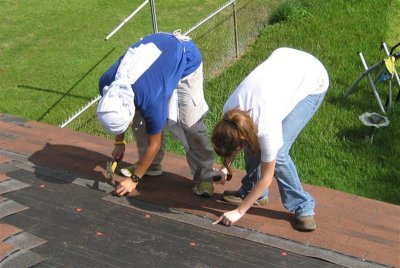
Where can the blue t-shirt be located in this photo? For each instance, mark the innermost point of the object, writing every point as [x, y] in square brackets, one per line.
[155, 86]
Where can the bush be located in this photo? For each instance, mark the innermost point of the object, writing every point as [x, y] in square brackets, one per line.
[286, 11]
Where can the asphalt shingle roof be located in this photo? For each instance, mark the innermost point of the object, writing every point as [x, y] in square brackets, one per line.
[47, 173]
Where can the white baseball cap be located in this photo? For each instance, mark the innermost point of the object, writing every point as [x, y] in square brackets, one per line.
[116, 108]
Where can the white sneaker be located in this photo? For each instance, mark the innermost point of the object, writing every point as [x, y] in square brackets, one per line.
[154, 170]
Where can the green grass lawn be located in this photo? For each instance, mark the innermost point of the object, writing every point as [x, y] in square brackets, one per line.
[332, 150]
[52, 54]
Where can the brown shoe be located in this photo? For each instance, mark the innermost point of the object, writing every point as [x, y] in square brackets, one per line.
[203, 188]
[234, 197]
[306, 223]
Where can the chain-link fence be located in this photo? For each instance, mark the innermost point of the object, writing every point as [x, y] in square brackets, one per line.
[216, 39]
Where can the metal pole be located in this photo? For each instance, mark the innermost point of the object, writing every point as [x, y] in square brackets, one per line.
[371, 81]
[396, 74]
[235, 29]
[154, 16]
[353, 87]
[126, 20]
[80, 111]
[209, 17]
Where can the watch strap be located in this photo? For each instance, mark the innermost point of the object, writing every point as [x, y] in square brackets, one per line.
[135, 178]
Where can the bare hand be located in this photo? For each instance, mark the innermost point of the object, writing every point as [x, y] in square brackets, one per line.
[229, 218]
[225, 177]
[223, 173]
[125, 187]
[118, 152]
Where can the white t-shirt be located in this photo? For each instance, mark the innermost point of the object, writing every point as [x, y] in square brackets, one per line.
[272, 90]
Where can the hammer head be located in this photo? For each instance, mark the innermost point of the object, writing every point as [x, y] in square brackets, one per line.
[111, 167]
[215, 178]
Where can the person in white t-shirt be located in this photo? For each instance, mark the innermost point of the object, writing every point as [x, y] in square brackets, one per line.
[264, 116]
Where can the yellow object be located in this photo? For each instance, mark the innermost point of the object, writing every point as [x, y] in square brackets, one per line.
[114, 166]
[119, 143]
[389, 63]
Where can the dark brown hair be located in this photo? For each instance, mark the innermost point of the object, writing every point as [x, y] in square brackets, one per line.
[231, 133]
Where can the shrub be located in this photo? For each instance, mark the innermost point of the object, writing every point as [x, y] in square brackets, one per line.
[286, 11]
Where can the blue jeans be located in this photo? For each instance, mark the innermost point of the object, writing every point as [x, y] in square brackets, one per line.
[293, 196]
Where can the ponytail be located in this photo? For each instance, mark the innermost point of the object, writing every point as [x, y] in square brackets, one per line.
[231, 133]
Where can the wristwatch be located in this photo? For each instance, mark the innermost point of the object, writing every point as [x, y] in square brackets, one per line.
[135, 178]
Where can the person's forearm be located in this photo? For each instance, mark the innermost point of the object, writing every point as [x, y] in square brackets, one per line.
[255, 194]
[119, 147]
[145, 161]
[120, 137]
[267, 175]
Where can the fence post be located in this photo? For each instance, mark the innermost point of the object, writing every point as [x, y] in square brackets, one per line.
[235, 29]
[154, 16]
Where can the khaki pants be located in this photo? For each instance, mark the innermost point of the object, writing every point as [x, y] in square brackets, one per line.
[192, 110]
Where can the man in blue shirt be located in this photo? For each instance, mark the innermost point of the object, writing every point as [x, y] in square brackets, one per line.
[158, 81]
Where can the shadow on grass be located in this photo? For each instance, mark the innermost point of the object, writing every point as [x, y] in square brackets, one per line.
[365, 102]
[67, 93]
[357, 135]
[374, 163]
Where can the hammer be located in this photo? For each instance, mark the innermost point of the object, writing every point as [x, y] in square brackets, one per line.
[217, 178]
[111, 167]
